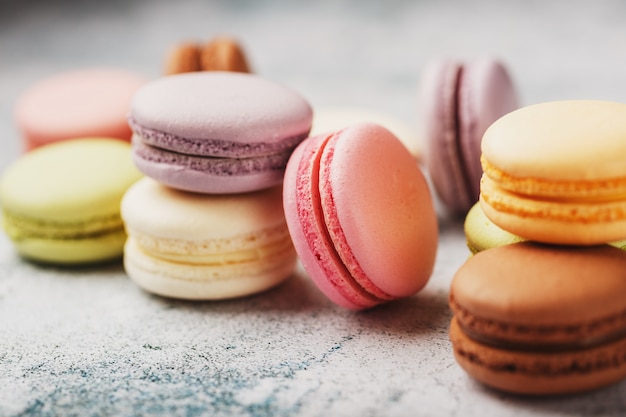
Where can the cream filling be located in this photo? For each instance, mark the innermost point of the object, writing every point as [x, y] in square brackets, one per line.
[22, 227]
[567, 209]
[595, 190]
[241, 249]
[541, 337]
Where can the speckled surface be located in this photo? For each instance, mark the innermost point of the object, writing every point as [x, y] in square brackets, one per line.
[87, 342]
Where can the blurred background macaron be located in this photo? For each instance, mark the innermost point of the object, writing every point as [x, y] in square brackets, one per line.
[61, 202]
[458, 102]
[86, 102]
[222, 53]
[332, 118]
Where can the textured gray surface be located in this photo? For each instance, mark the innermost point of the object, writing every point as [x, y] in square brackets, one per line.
[88, 342]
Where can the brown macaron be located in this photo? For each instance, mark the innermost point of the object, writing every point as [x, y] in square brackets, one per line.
[220, 54]
[538, 319]
[184, 57]
[223, 54]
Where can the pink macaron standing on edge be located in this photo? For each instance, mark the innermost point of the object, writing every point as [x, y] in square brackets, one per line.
[217, 132]
[458, 102]
[360, 215]
[87, 102]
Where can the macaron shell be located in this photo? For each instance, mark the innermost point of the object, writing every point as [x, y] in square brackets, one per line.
[209, 175]
[153, 209]
[70, 181]
[535, 373]
[514, 293]
[378, 209]
[193, 281]
[99, 248]
[485, 93]
[576, 140]
[303, 211]
[80, 103]
[250, 109]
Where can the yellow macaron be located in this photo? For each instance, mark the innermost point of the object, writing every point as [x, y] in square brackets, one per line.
[555, 172]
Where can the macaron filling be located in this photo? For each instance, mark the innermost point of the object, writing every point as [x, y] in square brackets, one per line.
[543, 364]
[214, 147]
[255, 247]
[220, 166]
[138, 262]
[568, 209]
[20, 227]
[591, 190]
[545, 337]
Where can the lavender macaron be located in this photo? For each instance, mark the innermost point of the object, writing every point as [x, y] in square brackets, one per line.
[459, 101]
[217, 132]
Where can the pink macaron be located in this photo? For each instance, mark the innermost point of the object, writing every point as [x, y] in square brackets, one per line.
[87, 102]
[459, 101]
[217, 132]
[360, 215]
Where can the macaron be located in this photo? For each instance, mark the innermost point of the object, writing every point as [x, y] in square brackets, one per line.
[61, 202]
[205, 247]
[87, 102]
[332, 118]
[217, 132]
[541, 319]
[220, 54]
[555, 172]
[482, 234]
[458, 101]
[361, 216]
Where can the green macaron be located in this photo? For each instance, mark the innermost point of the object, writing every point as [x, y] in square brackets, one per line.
[481, 233]
[61, 202]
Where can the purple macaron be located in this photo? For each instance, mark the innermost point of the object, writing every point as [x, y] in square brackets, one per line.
[217, 132]
[459, 101]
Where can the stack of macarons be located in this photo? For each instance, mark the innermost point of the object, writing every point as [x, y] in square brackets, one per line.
[207, 222]
[539, 309]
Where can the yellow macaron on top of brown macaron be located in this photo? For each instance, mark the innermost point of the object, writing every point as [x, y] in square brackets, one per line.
[554, 172]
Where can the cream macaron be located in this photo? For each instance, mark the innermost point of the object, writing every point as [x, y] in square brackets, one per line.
[205, 247]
